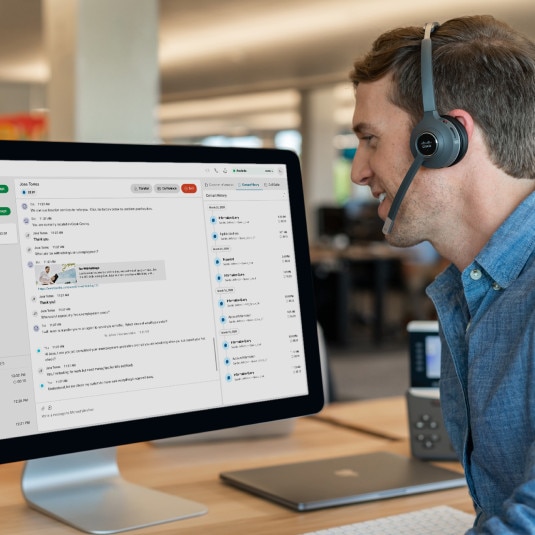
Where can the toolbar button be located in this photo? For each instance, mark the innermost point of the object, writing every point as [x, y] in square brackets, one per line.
[189, 188]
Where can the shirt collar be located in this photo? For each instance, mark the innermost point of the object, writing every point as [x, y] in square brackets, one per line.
[506, 253]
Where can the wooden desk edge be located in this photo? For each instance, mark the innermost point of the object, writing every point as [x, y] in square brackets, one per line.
[382, 417]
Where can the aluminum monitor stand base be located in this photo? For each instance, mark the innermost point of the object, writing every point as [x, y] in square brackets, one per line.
[86, 491]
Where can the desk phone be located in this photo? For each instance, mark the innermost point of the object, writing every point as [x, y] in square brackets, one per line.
[428, 437]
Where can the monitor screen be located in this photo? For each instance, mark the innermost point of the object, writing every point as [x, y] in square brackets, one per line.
[150, 291]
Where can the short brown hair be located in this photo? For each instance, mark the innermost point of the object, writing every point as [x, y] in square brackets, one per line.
[480, 65]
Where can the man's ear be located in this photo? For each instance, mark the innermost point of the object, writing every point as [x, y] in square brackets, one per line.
[465, 119]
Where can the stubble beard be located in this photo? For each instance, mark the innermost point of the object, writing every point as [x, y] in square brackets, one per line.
[409, 228]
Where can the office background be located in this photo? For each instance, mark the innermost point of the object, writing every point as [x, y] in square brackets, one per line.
[251, 73]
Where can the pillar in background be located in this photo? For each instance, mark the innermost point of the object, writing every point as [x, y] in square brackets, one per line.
[104, 76]
[318, 129]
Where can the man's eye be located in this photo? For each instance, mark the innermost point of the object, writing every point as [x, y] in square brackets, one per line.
[369, 139]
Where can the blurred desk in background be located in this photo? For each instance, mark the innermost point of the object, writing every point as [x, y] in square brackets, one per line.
[339, 273]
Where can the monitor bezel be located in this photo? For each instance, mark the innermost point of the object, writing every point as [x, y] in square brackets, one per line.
[39, 445]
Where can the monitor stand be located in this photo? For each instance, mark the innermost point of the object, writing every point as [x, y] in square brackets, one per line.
[86, 491]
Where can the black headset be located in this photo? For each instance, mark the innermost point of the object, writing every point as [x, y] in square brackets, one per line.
[437, 141]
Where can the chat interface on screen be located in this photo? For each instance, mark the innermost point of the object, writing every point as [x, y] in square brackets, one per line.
[135, 290]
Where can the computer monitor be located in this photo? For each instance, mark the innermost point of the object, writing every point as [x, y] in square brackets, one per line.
[148, 291]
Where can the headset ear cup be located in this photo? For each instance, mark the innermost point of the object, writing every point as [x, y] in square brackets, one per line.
[463, 137]
[441, 140]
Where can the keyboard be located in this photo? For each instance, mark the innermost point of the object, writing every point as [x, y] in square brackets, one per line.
[441, 520]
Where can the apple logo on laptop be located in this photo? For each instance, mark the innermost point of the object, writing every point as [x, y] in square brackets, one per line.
[346, 472]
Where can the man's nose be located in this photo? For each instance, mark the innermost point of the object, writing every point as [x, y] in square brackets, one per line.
[360, 169]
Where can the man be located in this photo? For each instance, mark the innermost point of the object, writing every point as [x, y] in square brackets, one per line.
[478, 213]
[45, 278]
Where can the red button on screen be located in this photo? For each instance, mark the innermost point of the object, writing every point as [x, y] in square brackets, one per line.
[188, 188]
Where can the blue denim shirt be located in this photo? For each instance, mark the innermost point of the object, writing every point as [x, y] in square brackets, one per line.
[487, 384]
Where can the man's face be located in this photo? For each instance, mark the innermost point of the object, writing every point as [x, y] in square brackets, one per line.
[383, 158]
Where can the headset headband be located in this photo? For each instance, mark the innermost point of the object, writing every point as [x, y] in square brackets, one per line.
[428, 93]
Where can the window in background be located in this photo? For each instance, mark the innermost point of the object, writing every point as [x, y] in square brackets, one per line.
[253, 142]
[288, 139]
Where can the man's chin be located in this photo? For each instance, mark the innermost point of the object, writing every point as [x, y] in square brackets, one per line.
[398, 238]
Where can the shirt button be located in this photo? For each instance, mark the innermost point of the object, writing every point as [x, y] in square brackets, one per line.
[496, 286]
[475, 274]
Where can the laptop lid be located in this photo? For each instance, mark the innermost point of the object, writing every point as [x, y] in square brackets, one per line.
[318, 484]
